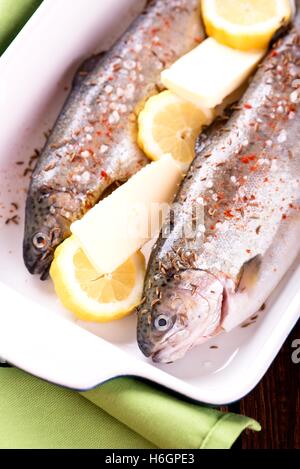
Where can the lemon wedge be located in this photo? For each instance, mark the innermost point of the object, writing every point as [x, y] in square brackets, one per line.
[170, 124]
[245, 24]
[90, 295]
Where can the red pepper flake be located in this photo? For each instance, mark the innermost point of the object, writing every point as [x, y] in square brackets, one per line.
[99, 133]
[212, 227]
[284, 217]
[110, 78]
[156, 42]
[104, 174]
[247, 158]
[274, 53]
[292, 108]
[228, 214]
[198, 39]
[272, 125]
[154, 31]
[248, 251]
[252, 197]
[248, 106]
[244, 160]
[253, 168]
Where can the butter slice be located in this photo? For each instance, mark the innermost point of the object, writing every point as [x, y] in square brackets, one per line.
[123, 222]
[210, 72]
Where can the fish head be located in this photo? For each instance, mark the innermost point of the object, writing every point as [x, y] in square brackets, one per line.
[44, 231]
[190, 309]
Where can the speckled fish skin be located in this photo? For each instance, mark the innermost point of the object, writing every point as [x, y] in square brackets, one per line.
[246, 176]
[93, 143]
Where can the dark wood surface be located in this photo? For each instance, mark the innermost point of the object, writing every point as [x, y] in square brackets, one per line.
[275, 403]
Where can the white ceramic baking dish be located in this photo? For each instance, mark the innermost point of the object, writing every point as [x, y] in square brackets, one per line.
[36, 333]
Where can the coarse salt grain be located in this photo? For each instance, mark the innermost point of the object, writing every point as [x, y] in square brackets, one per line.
[85, 177]
[108, 89]
[129, 92]
[295, 96]
[103, 148]
[123, 108]
[274, 165]
[114, 117]
[133, 75]
[129, 64]
[138, 47]
[282, 137]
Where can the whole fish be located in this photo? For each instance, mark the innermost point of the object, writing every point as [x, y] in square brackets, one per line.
[244, 187]
[93, 143]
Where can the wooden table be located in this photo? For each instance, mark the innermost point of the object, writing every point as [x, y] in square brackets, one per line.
[275, 403]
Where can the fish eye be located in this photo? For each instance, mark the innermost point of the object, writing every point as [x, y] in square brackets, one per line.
[162, 323]
[40, 241]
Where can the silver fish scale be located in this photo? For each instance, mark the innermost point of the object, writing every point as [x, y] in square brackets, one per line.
[251, 180]
[246, 179]
[94, 142]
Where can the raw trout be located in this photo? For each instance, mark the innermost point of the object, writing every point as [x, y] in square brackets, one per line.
[93, 143]
[246, 180]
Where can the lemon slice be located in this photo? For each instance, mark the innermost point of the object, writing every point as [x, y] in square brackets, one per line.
[169, 124]
[245, 24]
[94, 297]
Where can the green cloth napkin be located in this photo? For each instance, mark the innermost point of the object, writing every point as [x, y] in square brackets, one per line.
[13, 16]
[122, 413]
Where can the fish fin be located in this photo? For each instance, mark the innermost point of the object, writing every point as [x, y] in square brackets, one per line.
[85, 68]
[248, 274]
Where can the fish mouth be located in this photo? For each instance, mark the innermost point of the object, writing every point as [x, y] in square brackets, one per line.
[199, 312]
[38, 265]
[39, 268]
[164, 354]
